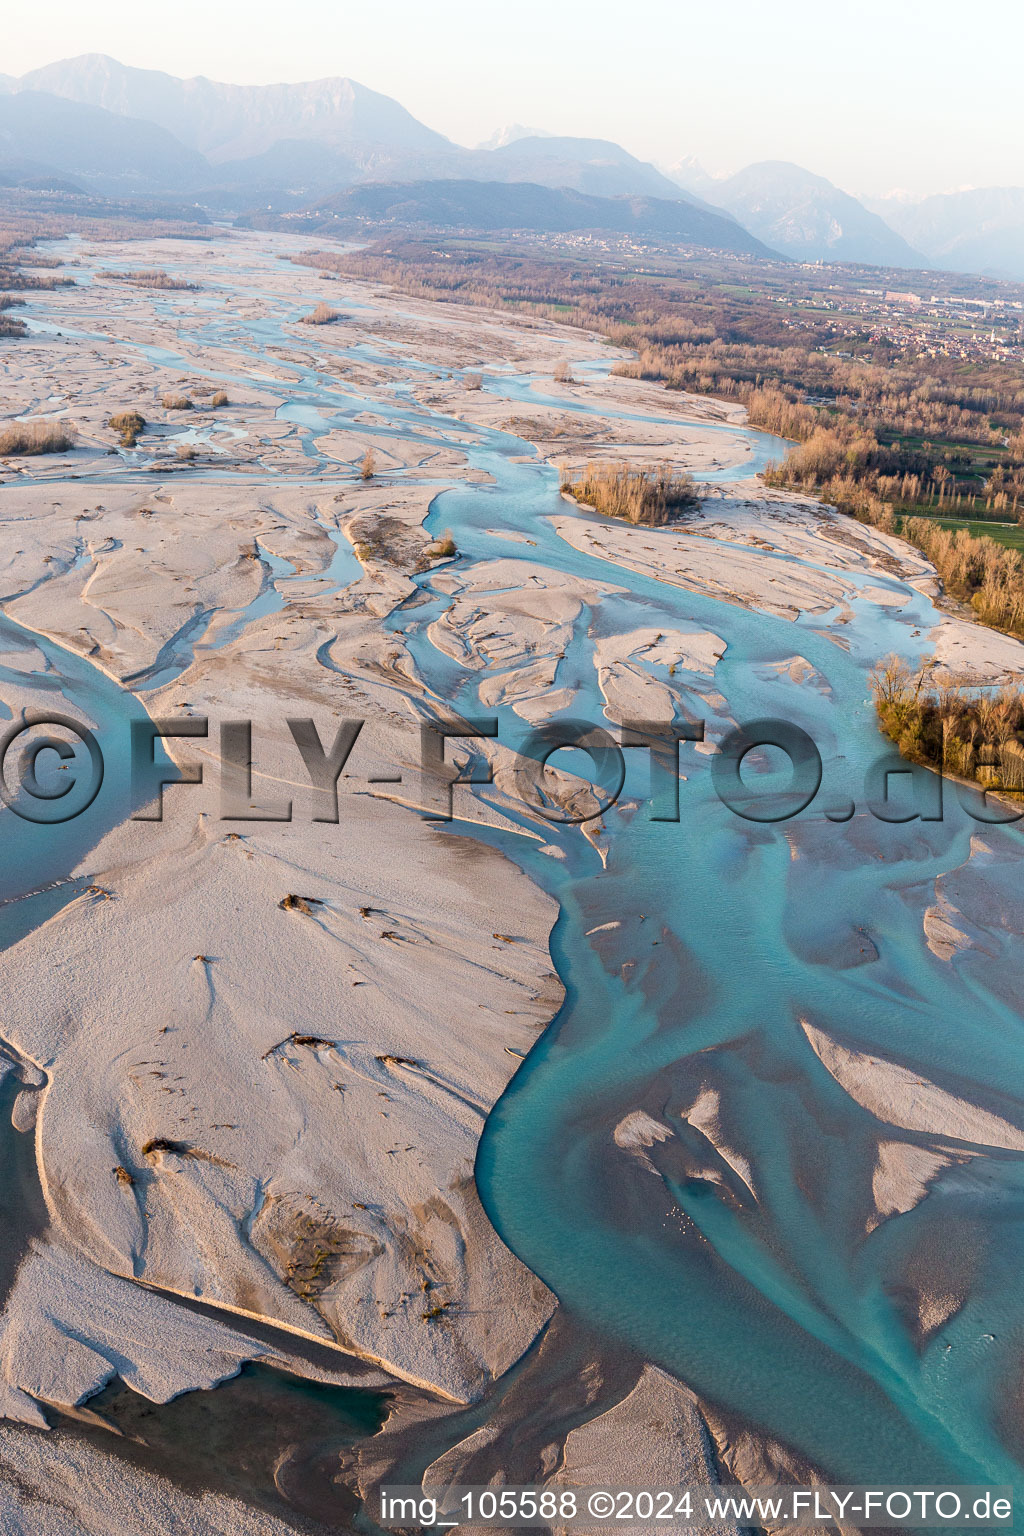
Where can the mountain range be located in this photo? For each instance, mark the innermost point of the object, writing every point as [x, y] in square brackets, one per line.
[114, 130]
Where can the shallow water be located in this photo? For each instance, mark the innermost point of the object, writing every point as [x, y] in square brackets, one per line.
[37, 857]
[766, 1292]
[783, 1311]
[264, 1437]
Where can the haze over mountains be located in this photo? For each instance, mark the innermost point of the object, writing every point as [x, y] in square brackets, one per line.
[805, 216]
[114, 130]
[981, 230]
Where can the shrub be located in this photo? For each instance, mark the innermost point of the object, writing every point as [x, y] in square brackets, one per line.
[176, 403]
[563, 373]
[152, 280]
[368, 467]
[130, 425]
[9, 327]
[220, 398]
[473, 380]
[323, 314]
[33, 437]
[445, 548]
[22, 280]
[647, 496]
[185, 452]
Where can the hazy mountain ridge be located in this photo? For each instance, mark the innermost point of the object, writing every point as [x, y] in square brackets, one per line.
[499, 205]
[232, 122]
[594, 166]
[107, 153]
[510, 133]
[254, 134]
[289, 141]
[807, 217]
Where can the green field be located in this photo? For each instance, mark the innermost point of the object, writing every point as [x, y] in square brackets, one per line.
[1009, 534]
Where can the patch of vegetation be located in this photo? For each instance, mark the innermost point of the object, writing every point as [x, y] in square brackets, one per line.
[10, 279]
[313, 1042]
[293, 903]
[162, 1144]
[368, 468]
[648, 496]
[177, 403]
[35, 437]
[323, 314]
[970, 733]
[219, 398]
[920, 476]
[308, 1245]
[537, 429]
[979, 571]
[129, 425]
[152, 280]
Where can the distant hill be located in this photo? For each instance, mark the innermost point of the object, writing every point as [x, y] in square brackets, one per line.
[510, 133]
[810, 219]
[35, 176]
[595, 166]
[98, 150]
[493, 205]
[981, 230]
[294, 169]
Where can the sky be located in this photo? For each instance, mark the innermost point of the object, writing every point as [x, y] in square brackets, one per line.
[915, 95]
